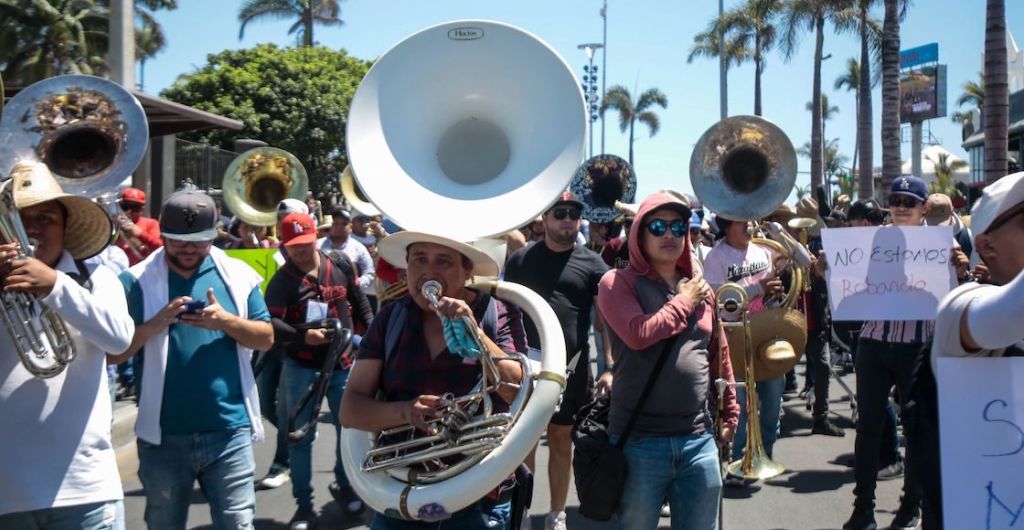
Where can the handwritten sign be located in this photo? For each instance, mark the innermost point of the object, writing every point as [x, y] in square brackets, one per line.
[888, 273]
[260, 259]
[981, 423]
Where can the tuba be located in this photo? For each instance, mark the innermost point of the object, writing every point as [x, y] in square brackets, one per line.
[354, 194]
[260, 178]
[504, 137]
[742, 168]
[601, 183]
[92, 134]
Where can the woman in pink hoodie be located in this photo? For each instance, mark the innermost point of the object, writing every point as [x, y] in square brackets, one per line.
[671, 451]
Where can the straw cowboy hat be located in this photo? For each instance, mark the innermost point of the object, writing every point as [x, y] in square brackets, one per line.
[393, 249]
[808, 207]
[87, 229]
[779, 338]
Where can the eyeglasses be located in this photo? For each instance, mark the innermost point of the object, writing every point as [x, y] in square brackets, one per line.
[131, 206]
[562, 213]
[658, 227]
[902, 201]
[177, 243]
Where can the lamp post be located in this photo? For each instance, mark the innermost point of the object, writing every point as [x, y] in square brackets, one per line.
[604, 63]
[590, 87]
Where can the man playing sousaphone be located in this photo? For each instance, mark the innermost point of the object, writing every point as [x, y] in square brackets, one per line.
[59, 470]
[405, 358]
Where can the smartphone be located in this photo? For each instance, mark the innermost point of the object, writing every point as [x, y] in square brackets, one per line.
[194, 307]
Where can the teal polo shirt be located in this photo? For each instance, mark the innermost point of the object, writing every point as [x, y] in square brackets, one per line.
[202, 384]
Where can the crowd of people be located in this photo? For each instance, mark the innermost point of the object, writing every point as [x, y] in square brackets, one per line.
[210, 353]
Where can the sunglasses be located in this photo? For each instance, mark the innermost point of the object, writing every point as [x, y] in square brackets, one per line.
[658, 227]
[902, 201]
[131, 207]
[562, 213]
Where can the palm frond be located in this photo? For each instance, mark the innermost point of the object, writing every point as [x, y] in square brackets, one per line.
[652, 121]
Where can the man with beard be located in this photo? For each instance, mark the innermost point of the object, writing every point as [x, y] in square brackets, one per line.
[198, 316]
[566, 275]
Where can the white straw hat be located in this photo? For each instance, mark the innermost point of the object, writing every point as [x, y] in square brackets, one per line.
[393, 249]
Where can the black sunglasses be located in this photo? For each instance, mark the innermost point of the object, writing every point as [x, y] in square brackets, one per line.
[658, 227]
[131, 206]
[562, 213]
[902, 201]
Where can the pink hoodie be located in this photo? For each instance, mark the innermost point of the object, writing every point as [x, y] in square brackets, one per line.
[621, 308]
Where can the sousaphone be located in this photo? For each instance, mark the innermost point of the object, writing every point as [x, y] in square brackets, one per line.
[90, 132]
[258, 179]
[491, 134]
[600, 183]
[354, 194]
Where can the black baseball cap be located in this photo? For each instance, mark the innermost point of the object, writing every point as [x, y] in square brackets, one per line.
[189, 216]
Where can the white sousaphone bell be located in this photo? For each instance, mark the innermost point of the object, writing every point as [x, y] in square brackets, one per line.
[465, 130]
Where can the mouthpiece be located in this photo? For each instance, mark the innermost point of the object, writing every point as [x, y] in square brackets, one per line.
[431, 290]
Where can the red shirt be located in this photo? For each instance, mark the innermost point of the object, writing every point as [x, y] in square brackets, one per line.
[150, 238]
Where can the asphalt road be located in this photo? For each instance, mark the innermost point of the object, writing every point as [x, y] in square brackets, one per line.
[815, 493]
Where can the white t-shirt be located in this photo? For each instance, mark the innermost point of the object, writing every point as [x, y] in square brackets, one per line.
[56, 449]
[947, 341]
[725, 263]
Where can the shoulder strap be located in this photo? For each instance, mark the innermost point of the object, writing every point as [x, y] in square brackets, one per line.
[489, 323]
[646, 392]
[393, 330]
[341, 261]
[83, 277]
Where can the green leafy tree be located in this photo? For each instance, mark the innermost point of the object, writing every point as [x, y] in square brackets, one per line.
[973, 96]
[630, 111]
[835, 164]
[307, 12]
[44, 38]
[945, 174]
[751, 26]
[296, 99]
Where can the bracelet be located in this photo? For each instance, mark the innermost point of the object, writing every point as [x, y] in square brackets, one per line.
[609, 368]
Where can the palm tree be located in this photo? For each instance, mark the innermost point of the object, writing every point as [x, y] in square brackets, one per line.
[870, 30]
[801, 191]
[834, 163]
[828, 111]
[997, 103]
[630, 112]
[44, 38]
[752, 27]
[308, 12]
[850, 81]
[891, 158]
[149, 41]
[974, 95]
[811, 15]
[945, 179]
[705, 44]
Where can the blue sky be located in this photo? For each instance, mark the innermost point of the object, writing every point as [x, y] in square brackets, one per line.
[648, 41]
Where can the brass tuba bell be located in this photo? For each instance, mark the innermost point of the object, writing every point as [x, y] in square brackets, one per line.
[602, 182]
[354, 194]
[91, 132]
[258, 179]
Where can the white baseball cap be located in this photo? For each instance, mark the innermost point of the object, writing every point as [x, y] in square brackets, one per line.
[288, 206]
[997, 199]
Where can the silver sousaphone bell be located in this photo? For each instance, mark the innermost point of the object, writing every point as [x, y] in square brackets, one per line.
[600, 183]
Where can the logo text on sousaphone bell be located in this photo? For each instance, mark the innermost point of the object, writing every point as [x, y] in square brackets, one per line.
[465, 33]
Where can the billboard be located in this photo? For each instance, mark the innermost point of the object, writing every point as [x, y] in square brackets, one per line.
[923, 93]
[929, 53]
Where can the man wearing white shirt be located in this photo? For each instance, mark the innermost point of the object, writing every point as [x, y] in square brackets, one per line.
[339, 238]
[59, 469]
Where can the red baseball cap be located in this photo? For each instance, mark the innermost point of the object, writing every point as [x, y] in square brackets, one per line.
[133, 195]
[298, 229]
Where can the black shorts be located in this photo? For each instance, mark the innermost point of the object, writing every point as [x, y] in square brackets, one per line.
[578, 390]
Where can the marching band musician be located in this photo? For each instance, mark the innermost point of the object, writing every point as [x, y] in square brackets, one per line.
[671, 453]
[198, 406]
[59, 469]
[735, 258]
[420, 367]
[311, 287]
[144, 232]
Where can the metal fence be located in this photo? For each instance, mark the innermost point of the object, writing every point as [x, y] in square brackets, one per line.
[200, 164]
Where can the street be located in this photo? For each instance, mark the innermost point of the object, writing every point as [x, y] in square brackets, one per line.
[815, 493]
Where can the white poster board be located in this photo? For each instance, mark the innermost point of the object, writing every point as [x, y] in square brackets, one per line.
[888, 273]
[981, 422]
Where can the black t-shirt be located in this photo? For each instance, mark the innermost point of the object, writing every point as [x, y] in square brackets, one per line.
[567, 280]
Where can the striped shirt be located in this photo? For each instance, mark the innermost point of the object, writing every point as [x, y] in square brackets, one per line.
[899, 331]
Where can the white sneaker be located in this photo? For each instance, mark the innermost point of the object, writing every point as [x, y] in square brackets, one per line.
[555, 521]
[275, 478]
[665, 511]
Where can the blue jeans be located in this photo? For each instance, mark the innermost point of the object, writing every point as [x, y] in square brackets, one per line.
[92, 516]
[272, 404]
[682, 469]
[475, 517]
[223, 463]
[295, 381]
[769, 396]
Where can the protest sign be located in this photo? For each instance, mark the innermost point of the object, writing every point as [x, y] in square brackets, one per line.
[888, 273]
[260, 259]
[981, 422]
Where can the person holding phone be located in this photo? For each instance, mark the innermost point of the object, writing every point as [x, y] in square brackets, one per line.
[313, 285]
[198, 406]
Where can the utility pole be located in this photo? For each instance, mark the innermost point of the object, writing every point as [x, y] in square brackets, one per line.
[121, 57]
[604, 66]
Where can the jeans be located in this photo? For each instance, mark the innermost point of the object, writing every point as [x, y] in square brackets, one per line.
[295, 381]
[889, 449]
[272, 404]
[923, 440]
[769, 397]
[682, 469]
[476, 517]
[817, 365]
[881, 365]
[92, 516]
[223, 463]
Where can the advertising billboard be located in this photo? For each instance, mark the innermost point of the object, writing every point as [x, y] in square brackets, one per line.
[923, 93]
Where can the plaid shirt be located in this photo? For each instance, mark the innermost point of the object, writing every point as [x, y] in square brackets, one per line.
[410, 372]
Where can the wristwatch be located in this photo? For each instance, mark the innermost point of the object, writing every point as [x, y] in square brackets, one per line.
[610, 367]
